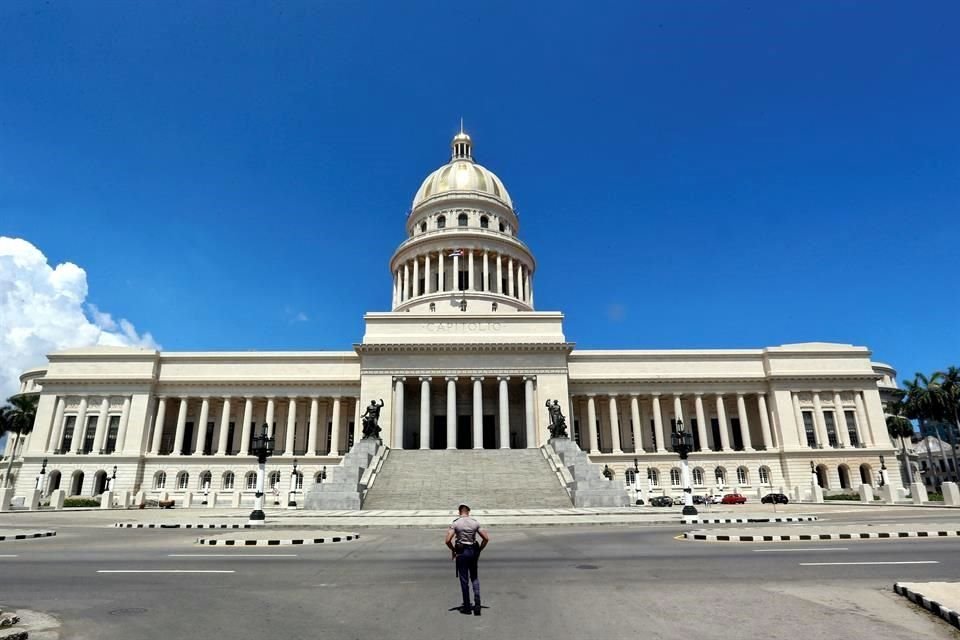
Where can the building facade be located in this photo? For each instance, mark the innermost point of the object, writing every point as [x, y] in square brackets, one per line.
[462, 360]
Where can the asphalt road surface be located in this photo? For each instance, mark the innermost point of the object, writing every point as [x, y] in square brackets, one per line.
[582, 582]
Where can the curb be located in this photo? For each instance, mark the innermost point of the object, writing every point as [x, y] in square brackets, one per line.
[28, 536]
[749, 520]
[177, 525]
[274, 543]
[930, 605]
[884, 535]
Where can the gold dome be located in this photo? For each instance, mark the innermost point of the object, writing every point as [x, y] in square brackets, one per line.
[462, 175]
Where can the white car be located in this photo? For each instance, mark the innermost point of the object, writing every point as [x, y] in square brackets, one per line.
[716, 498]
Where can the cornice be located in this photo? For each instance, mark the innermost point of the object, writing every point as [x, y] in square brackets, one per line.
[464, 372]
[463, 347]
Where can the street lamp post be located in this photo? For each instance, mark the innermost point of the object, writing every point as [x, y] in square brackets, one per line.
[683, 445]
[42, 476]
[884, 476]
[113, 478]
[636, 482]
[292, 498]
[262, 448]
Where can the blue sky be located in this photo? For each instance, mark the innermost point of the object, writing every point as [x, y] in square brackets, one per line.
[236, 175]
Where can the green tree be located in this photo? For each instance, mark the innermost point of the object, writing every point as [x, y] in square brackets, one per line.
[900, 427]
[16, 419]
[926, 402]
[951, 391]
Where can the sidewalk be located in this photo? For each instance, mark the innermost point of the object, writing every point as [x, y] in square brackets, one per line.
[940, 598]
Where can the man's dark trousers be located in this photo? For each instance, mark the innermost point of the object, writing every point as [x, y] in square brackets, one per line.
[467, 570]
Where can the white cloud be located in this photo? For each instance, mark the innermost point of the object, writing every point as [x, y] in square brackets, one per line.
[44, 309]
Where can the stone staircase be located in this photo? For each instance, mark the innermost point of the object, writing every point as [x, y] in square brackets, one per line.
[484, 479]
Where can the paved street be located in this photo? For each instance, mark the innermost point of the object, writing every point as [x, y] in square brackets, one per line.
[605, 581]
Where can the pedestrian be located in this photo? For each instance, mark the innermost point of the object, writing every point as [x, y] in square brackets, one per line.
[462, 542]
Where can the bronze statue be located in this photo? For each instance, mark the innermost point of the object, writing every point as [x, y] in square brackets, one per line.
[370, 418]
[558, 423]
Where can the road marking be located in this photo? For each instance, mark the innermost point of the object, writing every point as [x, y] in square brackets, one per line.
[239, 554]
[10, 555]
[164, 571]
[823, 564]
[811, 549]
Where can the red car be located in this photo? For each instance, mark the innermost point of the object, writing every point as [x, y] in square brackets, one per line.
[734, 498]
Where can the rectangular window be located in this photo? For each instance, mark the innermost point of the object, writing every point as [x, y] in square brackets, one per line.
[90, 434]
[737, 436]
[461, 280]
[68, 428]
[715, 430]
[230, 431]
[810, 429]
[208, 440]
[851, 418]
[576, 432]
[831, 425]
[187, 447]
[653, 434]
[111, 444]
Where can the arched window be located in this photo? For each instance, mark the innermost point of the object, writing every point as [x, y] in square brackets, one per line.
[844, 472]
[653, 477]
[462, 220]
[206, 480]
[299, 485]
[743, 476]
[227, 482]
[160, 480]
[183, 480]
[866, 474]
[76, 483]
[630, 476]
[274, 482]
[720, 474]
[764, 475]
[674, 477]
[484, 222]
[423, 226]
[441, 222]
[698, 476]
[317, 479]
[250, 481]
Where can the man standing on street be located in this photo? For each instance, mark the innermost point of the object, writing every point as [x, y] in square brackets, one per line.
[462, 542]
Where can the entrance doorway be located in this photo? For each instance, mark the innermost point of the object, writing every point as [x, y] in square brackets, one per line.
[489, 432]
[439, 433]
[464, 435]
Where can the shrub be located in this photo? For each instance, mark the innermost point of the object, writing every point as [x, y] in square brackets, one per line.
[81, 502]
[842, 496]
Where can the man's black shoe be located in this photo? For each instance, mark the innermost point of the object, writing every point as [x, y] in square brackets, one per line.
[466, 609]
[476, 609]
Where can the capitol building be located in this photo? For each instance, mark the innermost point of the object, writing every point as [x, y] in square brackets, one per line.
[463, 360]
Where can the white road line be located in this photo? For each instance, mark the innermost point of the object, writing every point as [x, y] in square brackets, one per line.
[239, 554]
[824, 564]
[9, 555]
[163, 571]
[811, 549]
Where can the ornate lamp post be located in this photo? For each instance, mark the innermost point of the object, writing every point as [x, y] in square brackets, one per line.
[42, 476]
[262, 448]
[292, 498]
[683, 445]
[113, 478]
[883, 472]
[636, 482]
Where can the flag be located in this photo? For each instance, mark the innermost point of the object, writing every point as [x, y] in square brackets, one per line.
[456, 253]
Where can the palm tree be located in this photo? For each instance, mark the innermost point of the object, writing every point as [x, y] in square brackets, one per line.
[899, 426]
[17, 418]
[925, 402]
[951, 391]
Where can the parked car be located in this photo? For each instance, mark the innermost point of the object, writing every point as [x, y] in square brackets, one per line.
[678, 501]
[774, 498]
[699, 499]
[716, 498]
[734, 498]
[661, 501]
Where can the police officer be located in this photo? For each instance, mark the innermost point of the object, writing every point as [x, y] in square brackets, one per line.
[462, 542]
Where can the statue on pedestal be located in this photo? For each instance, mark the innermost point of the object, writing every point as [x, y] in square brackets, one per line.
[558, 423]
[370, 420]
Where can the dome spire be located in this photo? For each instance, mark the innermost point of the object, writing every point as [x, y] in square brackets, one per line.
[461, 146]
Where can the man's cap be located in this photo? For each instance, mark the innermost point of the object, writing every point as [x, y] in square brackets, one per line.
[463, 506]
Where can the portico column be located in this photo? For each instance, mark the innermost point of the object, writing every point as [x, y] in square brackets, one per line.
[357, 424]
[744, 423]
[416, 277]
[291, 426]
[312, 429]
[426, 274]
[801, 427]
[202, 427]
[102, 419]
[405, 294]
[158, 425]
[658, 425]
[451, 412]
[499, 274]
[425, 412]
[477, 412]
[764, 422]
[840, 420]
[511, 284]
[80, 428]
[455, 276]
[531, 416]
[866, 432]
[592, 423]
[504, 412]
[677, 408]
[395, 278]
[824, 440]
[398, 412]
[486, 272]
[520, 294]
[635, 425]
[614, 425]
[181, 428]
[470, 283]
[701, 422]
[124, 421]
[57, 438]
[246, 426]
[724, 428]
[223, 441]
[335, 428]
